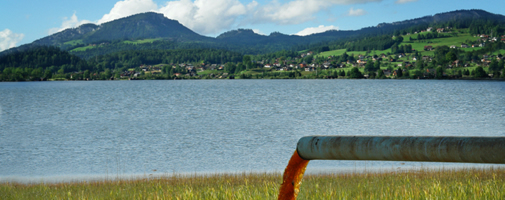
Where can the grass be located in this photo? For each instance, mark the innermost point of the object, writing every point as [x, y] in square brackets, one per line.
[207, 72]
[82, 48]
[337, 52]
[141, 41]
[74, 42]
[462, 36]
[416, 184]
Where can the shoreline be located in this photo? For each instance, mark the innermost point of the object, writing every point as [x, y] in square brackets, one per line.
[462, 79]
[417, 184]
[79, 178]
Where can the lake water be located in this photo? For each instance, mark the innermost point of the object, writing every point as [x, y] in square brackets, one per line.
[74, 130]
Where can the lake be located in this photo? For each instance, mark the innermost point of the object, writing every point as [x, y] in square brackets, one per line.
[74, 130]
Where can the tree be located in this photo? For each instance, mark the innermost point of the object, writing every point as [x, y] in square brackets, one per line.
[229, 67]
[380, 74]
[355, 73]
[37, 73]
[417, 74]
[399, 72]
[240, 67]
[466, 72]
[406, 74]
[47, 74]
[439, 72]
[369, 67]
[451, 56]
[496, 66]
[247, 61]
[377, 65]
[107, 74]
[420, 64]
[85, 75]
[479, 72]
[440, 54]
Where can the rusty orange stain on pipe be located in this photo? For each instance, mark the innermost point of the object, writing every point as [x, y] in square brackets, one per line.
[292, 178]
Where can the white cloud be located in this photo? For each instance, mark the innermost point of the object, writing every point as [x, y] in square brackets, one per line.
[205, 16]
[257, 31]
[404, 1]
[71, 22]
[213, 16]
[357, 12]
[297, 11]
[121, 9]
[319, 29]
[293, 12]
[8, 39]
[126, 8]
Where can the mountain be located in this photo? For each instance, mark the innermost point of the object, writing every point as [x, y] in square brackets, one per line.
[458, 15]
[170, 34]
[139, 26]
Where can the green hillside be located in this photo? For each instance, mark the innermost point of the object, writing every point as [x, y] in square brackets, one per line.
[455, 37]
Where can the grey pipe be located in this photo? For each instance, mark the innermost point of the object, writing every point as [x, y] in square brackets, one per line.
[430, 149]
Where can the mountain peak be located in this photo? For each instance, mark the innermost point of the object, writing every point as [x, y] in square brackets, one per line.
[238, 33]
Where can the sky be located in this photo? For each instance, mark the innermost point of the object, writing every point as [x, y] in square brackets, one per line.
[24, 21]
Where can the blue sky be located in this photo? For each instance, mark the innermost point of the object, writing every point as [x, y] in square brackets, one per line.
[24, 21]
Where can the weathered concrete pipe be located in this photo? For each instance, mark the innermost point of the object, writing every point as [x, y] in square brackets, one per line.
[430, 149]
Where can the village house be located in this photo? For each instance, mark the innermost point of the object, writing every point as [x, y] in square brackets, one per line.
[387, 73]
[428, 48]
[456, 63]
[427, 58]
[463, 45]
[453, 46]
[326, 65]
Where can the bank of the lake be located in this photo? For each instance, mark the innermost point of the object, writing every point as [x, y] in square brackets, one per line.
[417, 184]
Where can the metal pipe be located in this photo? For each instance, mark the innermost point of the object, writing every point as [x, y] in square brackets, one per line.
[430, 149]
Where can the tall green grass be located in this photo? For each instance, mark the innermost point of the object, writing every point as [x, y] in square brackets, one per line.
[418, 184]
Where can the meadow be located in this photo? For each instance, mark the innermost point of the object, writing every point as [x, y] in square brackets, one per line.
[455, 37]
[414, 184]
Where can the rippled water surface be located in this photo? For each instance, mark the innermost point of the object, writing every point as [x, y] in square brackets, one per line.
[134, 127]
